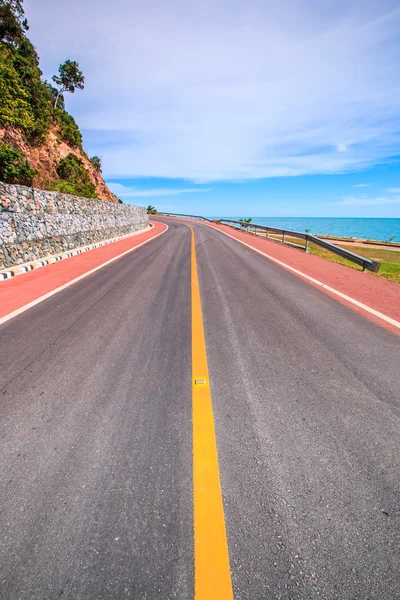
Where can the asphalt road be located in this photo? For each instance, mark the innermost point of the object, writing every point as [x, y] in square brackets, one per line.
[96, 439]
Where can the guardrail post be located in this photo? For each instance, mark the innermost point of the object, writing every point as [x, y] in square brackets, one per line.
[365, 263]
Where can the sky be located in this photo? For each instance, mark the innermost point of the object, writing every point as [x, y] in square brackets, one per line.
[221, 107]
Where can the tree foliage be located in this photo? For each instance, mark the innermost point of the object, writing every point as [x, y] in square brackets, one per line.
[57, 99]
[151, 210]
[75, 178]
[26, 101]
[32, 105]
[68, 129]
[13, 166]
[246, 222]
[69, 78]
[13, 23]
[15, 106]
[96, 162]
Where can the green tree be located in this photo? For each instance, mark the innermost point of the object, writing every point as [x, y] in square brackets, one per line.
[75, 178]
[13, 23]
[246, 222]
[56, 98]
[69, 78]
[68, 129]
[15, 105]
[24, 100]
[151, 210]
[96, 162]
[26, 63]
[13, 166]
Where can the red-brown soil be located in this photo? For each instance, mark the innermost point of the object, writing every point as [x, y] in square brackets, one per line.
[45, 156]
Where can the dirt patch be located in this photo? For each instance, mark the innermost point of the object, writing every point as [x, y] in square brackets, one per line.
[45, 156]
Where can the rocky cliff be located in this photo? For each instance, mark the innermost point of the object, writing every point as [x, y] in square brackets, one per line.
[44, 157]
[40, 142]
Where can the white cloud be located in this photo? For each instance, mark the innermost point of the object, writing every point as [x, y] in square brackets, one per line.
[222, 90]
[343, 146]
[360, 185]
[354, 201]
[394, 190]
[131, 192]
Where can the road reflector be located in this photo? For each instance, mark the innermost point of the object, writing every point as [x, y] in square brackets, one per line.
[200, 382]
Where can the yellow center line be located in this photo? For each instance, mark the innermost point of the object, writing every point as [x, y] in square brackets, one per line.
[211, 557]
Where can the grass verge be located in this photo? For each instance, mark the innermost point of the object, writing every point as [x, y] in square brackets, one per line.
[389, 259]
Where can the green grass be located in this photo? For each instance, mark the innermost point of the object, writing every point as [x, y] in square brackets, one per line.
[389, 259]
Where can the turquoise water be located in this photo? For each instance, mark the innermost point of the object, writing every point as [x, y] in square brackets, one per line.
[372, 229]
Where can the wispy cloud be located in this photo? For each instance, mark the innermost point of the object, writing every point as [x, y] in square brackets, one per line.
[361, 185]
[343, 146]
[394, 190]
[354, 201]
[220, 90]
[131, 192]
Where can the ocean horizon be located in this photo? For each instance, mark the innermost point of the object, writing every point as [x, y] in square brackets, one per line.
[380, 229]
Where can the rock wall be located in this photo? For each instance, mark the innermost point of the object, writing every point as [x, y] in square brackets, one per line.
[36, 223]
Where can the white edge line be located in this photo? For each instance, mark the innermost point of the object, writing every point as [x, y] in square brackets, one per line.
[51, 258]
[368, 309]
[17, 312]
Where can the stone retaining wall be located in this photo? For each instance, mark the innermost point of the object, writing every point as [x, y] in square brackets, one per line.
[36, 223]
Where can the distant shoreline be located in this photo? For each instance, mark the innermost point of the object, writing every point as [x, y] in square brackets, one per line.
[368, 230]
[357, 241]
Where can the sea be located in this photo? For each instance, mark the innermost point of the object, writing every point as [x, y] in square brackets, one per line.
[368, 229]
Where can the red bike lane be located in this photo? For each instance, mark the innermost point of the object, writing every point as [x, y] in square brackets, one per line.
[22, 290]
[377, 294]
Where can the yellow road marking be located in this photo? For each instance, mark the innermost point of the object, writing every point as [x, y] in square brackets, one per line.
[211, 557]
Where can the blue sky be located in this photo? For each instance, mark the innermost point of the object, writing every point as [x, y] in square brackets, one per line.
[231, 108]
[364, 194]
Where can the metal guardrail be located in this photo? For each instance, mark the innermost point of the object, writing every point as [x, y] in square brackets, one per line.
[363, 262]
[169, 214]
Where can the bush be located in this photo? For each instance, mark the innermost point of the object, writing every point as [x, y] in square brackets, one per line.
[68, 128]
[26, 63]
[26, 102]
[70, 167]
[96, 162]
[54, 95]
[15, 108]
[14, 168]
[65, 187]
[75, 177]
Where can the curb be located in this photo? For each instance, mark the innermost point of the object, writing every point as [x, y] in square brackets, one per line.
[70, 282]
[50, 259]
[319, 284]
